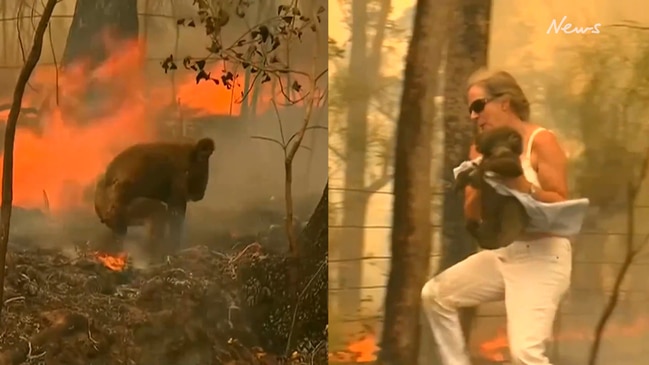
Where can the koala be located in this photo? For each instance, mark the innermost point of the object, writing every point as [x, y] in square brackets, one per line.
[503, 217]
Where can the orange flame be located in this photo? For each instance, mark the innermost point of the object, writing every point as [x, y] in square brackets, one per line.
[207, 98]
[73, 138]
[72, 146]
[114, 263]
[497, 348]
[361, 350]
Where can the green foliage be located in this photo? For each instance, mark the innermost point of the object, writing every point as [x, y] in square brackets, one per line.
[600, 98]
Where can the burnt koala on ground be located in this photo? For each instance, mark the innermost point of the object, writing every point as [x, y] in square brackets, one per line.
[503, 217]
[150, 184]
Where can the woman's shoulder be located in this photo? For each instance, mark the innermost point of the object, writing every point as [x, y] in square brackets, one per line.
[540, 133]
[538, 128]
[543, 138]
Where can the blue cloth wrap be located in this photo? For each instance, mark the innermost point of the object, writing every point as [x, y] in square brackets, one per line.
[563, 218]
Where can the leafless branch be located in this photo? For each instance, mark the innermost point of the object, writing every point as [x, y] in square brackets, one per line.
[56, 66]
[62, 324]
[270, 140]
[249, 90]
[339, 154]
[629, 25]
[10, 133]
[631, 253]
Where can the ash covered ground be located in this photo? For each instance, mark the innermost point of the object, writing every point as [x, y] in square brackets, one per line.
[214, 303]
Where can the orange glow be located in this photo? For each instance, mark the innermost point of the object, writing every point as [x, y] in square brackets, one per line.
[497, 348]
[114, 263]
[77, 137]
[209, 98]
[362, 350]
[76, 143]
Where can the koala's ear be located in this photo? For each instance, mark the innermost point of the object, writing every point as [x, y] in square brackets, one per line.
[202, 150]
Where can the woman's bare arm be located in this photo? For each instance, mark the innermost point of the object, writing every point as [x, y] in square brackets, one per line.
[551, 169]
[471, 195]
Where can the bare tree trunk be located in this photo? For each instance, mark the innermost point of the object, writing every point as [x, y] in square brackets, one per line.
[91, 19]
[313, 269]
[363, 71]
[411, 232]
[10, 133]
[315, 235]
[355, 202]
[467, 51]
[5, 28]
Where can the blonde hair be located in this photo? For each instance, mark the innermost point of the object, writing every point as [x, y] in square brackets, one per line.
[502, 84]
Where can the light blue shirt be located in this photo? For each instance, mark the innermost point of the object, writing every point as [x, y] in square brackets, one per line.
[563, 218]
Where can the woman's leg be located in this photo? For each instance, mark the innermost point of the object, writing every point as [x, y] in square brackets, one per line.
[475, 280]
[536, 275]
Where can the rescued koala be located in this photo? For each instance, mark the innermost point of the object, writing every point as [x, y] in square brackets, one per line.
[503, 217]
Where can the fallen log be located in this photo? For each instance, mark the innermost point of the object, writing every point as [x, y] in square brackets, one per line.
[62, 324]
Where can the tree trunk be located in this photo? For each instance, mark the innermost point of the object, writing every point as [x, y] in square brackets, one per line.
[93, 22]
[363, 71]
[315, 236]
[467, 51]
[314, 275]
[91, 19]
[9, 138]
[411, 232]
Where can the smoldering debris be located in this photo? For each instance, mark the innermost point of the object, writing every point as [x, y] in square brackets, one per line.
[198, 307]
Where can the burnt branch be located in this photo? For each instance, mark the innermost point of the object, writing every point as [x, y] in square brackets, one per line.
[28, 110]
[262, 51]
[631, 253]
[10, 134]
[63, 324]
[256, 50]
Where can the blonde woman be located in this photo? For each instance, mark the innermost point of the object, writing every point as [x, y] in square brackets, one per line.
[533, 273]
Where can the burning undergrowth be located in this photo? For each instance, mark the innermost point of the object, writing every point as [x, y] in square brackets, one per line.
[199, 307]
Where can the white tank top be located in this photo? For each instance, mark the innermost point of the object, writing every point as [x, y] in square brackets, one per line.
[526, 159]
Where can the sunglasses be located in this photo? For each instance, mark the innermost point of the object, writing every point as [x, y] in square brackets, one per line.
[478, 105]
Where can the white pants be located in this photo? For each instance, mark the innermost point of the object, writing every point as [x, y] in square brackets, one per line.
[531, 276]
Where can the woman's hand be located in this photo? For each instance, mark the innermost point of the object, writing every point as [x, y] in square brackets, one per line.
[518, 183]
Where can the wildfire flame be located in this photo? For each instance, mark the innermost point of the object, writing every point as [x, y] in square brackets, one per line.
[361, 350]
[64, 148]
[495, 349]
[112, 262]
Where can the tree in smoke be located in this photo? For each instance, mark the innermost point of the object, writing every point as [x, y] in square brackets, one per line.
[411, 232]
[94, 19]
[258, 51]
[466, 52]
[262, 51]
[95, 23]
[609, 110]
[357, 87]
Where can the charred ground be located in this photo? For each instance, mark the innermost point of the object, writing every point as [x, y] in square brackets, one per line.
[203, 306]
